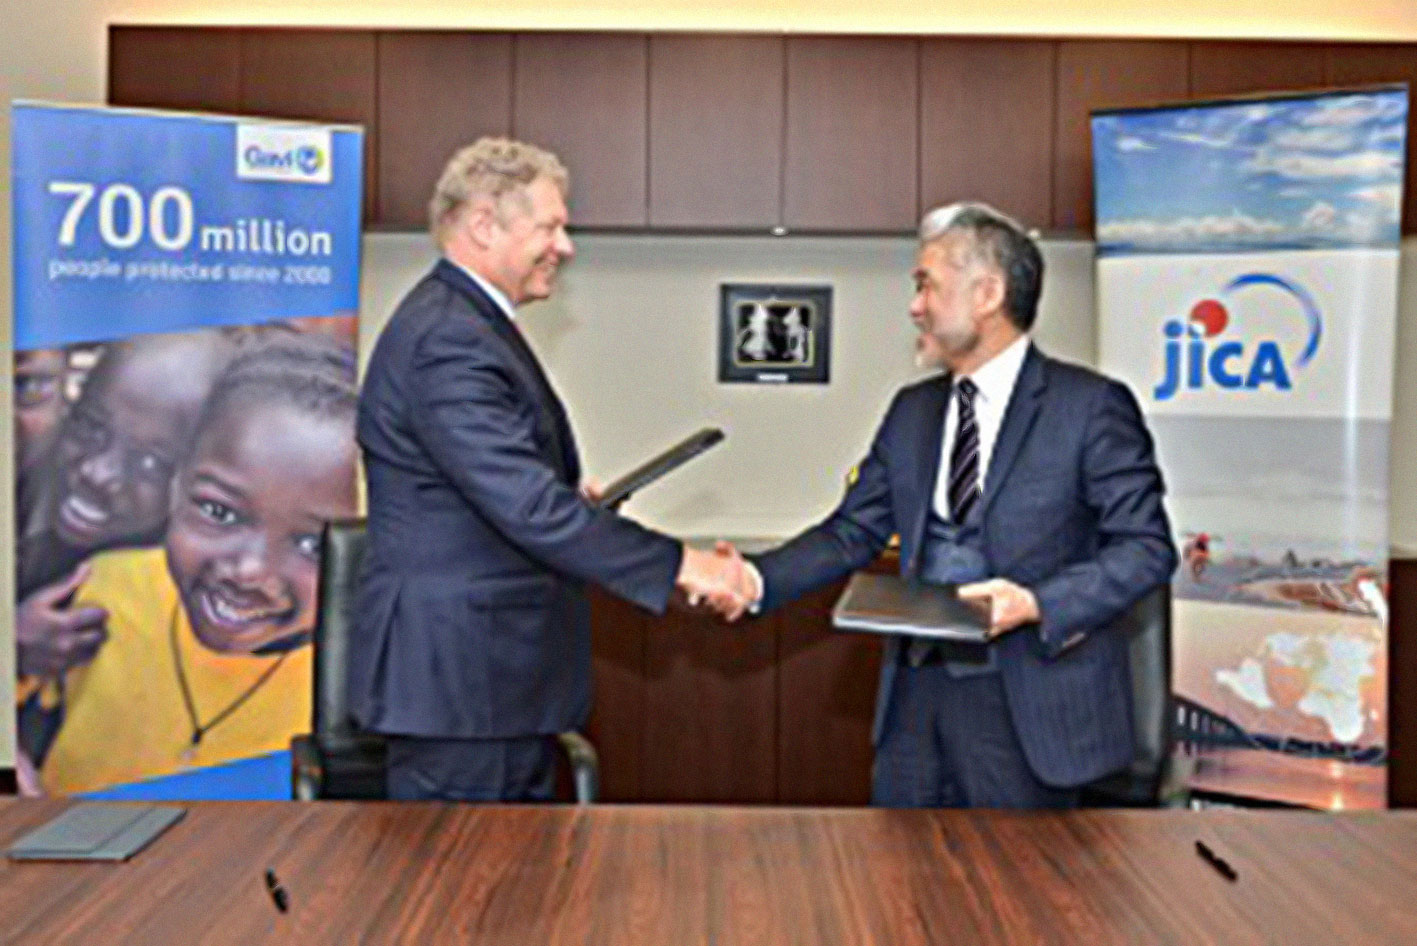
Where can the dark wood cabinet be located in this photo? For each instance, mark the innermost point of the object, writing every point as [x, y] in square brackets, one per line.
[730, 132]
[1243, 68]
[1103, 74]
[986, 125]
[710, 723]
[583, 96]
[1357, 65]
[175, 67]
[776, 709]
[826, 704]
[437, 91]
[715, 131]
[617, 723]
[315, 75]
[851, 161]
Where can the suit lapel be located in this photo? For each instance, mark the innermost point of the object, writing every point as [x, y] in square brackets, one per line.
[1018, 421]
[930, 435]
[524, 361]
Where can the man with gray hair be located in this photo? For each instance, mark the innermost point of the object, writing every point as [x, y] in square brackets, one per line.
[1032, 484]
[471, 647]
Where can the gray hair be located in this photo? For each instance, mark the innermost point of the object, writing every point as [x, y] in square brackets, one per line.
[494, 168]
[999, 241]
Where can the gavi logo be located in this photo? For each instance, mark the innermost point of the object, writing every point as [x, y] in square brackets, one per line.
[1197, 356]
[283, 153]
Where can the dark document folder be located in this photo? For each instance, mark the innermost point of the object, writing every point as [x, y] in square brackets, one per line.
[651, 470]
[889, 604]
[94, 831]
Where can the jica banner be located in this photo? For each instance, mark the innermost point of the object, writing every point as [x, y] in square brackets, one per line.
[1247, 290]
[186, 290]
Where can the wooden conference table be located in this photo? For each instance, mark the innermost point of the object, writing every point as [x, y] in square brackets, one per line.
[387, 873]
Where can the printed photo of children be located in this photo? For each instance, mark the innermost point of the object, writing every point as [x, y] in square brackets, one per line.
[191, 479]
[40, 405]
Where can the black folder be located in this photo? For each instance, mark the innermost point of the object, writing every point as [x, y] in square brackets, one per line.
[652, 469]
[889, 604]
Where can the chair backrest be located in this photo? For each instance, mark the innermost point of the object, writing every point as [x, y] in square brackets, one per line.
[350, 762]
[1148, 628]
[341, 562]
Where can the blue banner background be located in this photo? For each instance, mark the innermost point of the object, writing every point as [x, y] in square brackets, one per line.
[148, 151]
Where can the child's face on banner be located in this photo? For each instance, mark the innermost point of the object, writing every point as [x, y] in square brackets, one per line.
[121, 442]
[243, 540]
[39, 402]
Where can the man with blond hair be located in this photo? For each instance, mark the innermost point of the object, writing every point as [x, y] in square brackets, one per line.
[472, 638]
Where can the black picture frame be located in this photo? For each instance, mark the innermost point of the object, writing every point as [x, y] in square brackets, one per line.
[774, 333]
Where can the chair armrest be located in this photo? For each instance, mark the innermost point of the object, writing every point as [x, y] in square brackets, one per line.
[585, 766]
[307, 772]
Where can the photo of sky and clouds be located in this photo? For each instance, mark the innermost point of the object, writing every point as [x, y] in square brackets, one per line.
[1315, 172]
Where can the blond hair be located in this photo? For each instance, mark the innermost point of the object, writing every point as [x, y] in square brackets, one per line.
[493, 168]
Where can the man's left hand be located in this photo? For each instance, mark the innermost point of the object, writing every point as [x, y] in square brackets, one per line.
[1008, 605]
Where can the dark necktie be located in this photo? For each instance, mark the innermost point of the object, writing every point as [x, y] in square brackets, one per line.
[963, 493]
[964, 455]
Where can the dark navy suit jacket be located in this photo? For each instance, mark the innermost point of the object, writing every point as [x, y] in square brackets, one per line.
[1072, 510]
[473, 620]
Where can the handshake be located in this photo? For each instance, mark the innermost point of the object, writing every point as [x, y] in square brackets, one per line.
[721, 581]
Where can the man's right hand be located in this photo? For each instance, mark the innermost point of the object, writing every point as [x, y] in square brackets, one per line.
[717, 579]
[51, 638]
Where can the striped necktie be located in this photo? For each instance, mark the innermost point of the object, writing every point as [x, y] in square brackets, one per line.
[964, 455]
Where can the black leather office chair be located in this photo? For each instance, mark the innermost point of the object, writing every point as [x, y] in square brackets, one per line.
[337, 759]
[1145, 782]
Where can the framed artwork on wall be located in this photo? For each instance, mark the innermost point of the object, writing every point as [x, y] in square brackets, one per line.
[772, 333]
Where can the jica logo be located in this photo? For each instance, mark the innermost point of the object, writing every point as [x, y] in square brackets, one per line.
[1197, 355]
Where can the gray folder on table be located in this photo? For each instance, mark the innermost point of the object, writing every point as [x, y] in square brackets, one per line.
[96, 831]
[889, 604]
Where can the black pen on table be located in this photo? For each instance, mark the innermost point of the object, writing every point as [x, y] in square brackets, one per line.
[1222, 867]
[278, 894]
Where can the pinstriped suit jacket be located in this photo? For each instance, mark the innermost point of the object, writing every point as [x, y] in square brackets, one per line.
[1072, 509]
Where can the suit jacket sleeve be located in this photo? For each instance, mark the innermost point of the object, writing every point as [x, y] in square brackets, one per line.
[850, 538]
[480, 430]
[1122, 485]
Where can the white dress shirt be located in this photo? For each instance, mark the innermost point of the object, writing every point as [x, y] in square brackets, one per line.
[497, 295]
[995, 380]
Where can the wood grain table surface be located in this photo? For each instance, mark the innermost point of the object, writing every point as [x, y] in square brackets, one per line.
[672, 876]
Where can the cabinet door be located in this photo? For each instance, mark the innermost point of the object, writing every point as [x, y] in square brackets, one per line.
[715, 131]
[826, 704]
[986, 125]
[314, 75]
[710, 711]
[852, 156]
[437, 92]
[1238, 68]
[188, 68]
[583, 96]
[617, 714]
[1355, 64]
[1103, 74]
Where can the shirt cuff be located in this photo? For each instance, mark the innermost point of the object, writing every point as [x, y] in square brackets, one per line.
[757, 606]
